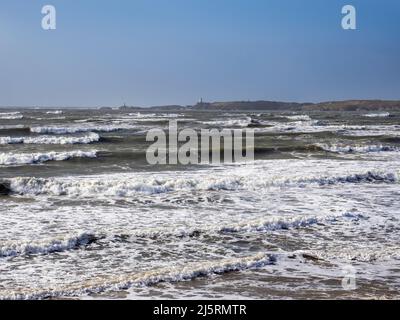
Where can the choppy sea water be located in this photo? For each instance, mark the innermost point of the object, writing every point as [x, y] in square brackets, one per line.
[87, 217]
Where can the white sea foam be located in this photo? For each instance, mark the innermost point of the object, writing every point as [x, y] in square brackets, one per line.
[151, 277]
[238, 178]
[229, 123]
[11, 140]
[274, 223]
[66, 243]
[12, 159]
[76, 129]
[55, 112]
[154, 115]
[392, 131]
[315, 126]
[299, 117]
[260, 225]
[377, 115]
[11, 116]
[87, 139]
[10, 249]
[357, 148]
[354, 254]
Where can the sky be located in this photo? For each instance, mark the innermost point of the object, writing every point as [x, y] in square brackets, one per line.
[161, 52]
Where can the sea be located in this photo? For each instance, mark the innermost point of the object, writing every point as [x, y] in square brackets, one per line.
[83, 215]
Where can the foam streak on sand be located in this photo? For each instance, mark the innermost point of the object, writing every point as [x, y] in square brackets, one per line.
[12, 159]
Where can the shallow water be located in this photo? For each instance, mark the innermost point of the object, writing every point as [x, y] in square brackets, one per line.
[88, 217]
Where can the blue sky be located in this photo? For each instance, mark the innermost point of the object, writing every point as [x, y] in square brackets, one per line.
[157, 52]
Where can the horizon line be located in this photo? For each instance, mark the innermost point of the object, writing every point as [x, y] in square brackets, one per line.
[193, 105]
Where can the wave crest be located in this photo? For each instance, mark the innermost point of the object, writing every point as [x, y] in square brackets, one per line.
[43, 247]
[187, 272]
[90, 138]
[77, 129]
[11, 116]
[357, 149]
[12, 159]
[129, 186]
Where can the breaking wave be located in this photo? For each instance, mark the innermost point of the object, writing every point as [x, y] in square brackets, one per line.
[229, 123]
[357, 149]
[55, 112]
[43, 247]
[11, 116]
[187, 272]
[129, 186]
[12, 159]
[78, 129]
[140, 115]
[377, 115]
[260, 225]
[300, 117]
[273, 224]
[90, 138]
[87, 238]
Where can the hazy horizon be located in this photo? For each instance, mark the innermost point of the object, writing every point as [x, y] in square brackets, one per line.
[153, 53]
[183, 105]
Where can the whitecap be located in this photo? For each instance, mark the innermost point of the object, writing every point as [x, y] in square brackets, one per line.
[11, 116]
[76, 129]
[357, 148]
[377, 115]
[188, 272]
[13, 159]
[55, 112]
[9, 249]
[87, 139]
[299, 117]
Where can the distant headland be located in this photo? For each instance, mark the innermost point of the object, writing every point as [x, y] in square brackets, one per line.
[259, 105]
[262, 105]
